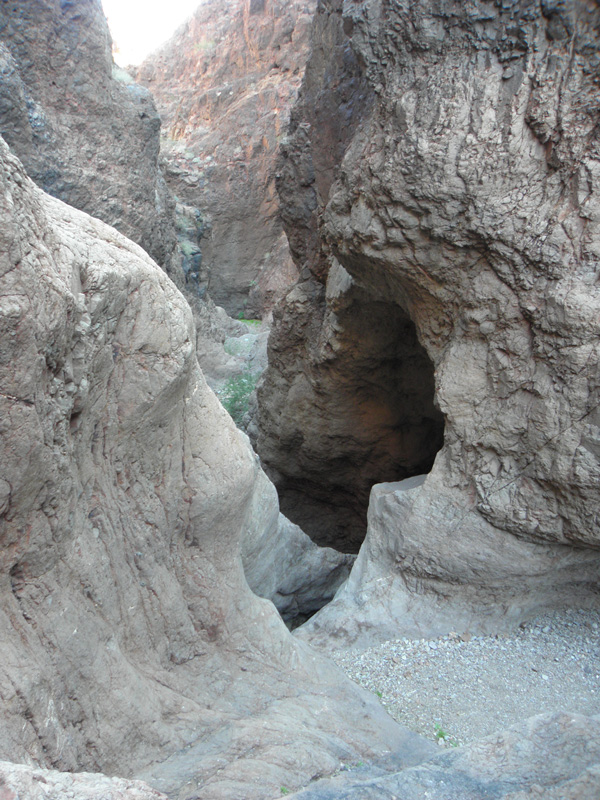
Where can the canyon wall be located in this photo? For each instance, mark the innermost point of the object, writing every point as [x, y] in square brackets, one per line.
[131, 642]
[83, 135]
[443, 162]
[224, 85]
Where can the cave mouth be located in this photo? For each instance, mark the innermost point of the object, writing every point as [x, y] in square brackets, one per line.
[374, 421]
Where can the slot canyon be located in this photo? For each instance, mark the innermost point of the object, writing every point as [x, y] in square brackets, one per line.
[299, 401]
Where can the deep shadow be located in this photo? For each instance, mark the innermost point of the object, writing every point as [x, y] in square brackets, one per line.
[374, 421]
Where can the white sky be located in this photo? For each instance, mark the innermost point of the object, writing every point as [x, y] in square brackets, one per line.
[140, 26]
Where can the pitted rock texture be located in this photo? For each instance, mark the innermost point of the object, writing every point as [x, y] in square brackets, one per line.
[82, 135]
[464, 189]
[224, 85]
[20, 781]
[551, 756]
[131, 644]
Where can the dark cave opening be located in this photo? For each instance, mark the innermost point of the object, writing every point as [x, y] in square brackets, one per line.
[374, 420]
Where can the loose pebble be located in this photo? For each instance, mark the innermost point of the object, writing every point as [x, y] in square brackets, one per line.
[460, 687]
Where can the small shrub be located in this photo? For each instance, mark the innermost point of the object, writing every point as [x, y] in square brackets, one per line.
[121, 75]
[441, 735]
[235, 395]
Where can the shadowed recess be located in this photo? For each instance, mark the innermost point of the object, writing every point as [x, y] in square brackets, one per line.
[367, 416]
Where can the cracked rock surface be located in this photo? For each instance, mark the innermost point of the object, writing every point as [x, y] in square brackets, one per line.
[446, 155]
[131, 643]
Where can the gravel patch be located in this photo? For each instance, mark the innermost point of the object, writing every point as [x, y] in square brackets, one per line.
[458, 688]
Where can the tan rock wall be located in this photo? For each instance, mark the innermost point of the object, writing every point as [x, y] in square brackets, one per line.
[131, 643]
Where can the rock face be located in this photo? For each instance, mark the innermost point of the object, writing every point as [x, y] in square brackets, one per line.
[82, 135]
[283, 564]
[446, 155]
[355, 406]
[131, 643]
[224, 85]
[554, 756]
[17, 780]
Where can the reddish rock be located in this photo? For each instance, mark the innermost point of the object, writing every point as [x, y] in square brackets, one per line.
[224, 85]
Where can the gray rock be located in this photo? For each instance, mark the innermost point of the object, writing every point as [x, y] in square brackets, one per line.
[458, 183]
[20, 781]
[131, 643]
[475, 580]
[555, 756]
[82, 133]
[283, 564]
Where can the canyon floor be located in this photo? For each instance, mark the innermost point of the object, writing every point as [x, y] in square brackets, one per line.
[456, 689]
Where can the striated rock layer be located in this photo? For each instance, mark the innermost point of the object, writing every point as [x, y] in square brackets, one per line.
[83, 135]
[131, 643]
[446, 156]
[224, 85]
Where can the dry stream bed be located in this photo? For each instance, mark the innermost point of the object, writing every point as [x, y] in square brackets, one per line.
[458, 689]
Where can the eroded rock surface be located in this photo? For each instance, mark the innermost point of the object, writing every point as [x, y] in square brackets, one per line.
[551, 756]
[224, 85]
[20, 781]
[131, 644]
[462, 188]
[358, 410]
[83, 135]
[283, 564]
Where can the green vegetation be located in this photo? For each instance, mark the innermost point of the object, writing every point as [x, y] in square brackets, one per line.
[205, 44]
[284, 790]
[121, 75]
[235, 395]
[187, 247]
[440, 734]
